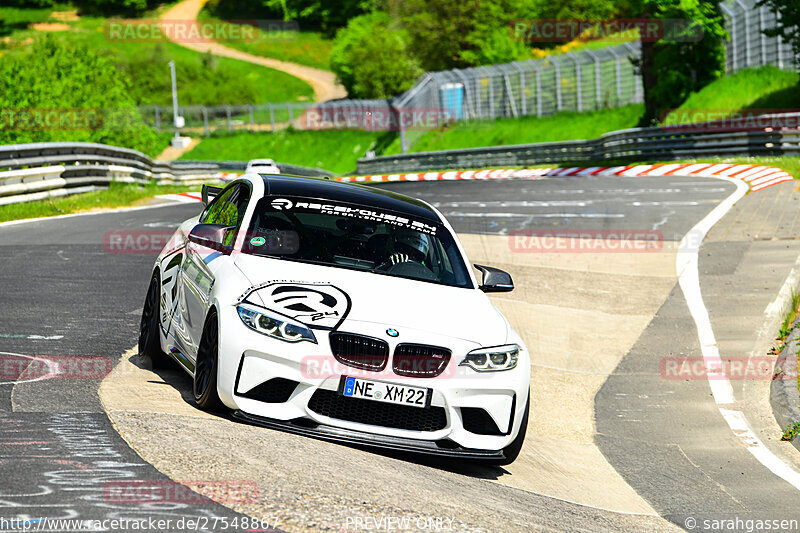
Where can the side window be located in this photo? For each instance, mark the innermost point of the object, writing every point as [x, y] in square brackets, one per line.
[229, 207]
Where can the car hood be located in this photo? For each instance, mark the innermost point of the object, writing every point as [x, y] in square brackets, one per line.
[329, 297]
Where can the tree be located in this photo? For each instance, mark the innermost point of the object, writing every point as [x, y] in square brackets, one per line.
[371, 57]
[686, 60]
[324, 15]
[461, 33]
[30, 3]
[788, 25]
[576, 9]
[71, 93]
[114, 7]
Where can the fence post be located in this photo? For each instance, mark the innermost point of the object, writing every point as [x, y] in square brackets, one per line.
[578, 81]
[491, 97]
[746, 32]
[598, 83]
[228, 117]
[539, 92]
[271, 118]
[158, 119]
[522, 101]
[291, 117]
[478, 110]
[558, 86]
[637, 80]
[252, 118]
[403, 138]
[734, 35]
[469, 98]
[205, 120]
[762, 27]
[510, 95]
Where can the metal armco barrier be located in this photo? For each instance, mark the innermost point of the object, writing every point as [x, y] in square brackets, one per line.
[38, 171]
[710, 139]
[286, 168]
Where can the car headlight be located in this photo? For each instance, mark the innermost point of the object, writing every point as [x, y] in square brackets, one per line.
[275, 326]
[492, 359]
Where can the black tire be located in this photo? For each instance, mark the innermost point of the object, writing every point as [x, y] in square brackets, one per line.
[149, 334]
[205, 371]
[511, 452]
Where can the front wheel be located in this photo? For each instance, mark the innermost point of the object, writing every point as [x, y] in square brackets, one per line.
[149, 341]
[205, 371]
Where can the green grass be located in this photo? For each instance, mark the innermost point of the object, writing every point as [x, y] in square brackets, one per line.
[117, 195]
[336, 151]
[303, 47]
[202, 79]
[765, 89]
[14, 18]
[789, 316]
[558, 127]
[578, 45]
[791, 432]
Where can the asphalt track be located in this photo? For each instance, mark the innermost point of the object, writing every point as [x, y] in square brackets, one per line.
[64, 294]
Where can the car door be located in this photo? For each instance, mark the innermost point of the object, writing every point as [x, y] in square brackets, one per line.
[197, 274]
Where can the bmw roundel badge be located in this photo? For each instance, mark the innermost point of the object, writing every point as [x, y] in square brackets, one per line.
[392, 332]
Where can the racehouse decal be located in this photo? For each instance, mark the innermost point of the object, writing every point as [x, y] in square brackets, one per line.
[321, 306]
[284, 204]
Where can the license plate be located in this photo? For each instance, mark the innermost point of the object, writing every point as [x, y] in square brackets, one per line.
[381, 391]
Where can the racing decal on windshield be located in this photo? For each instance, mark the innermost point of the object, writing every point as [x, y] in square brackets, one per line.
[321, 306]
[281, 204]
[363, 213]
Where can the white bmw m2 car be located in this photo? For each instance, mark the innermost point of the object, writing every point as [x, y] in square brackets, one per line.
[343, 312]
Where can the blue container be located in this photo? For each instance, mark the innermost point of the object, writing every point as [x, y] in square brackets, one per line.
[453, 100]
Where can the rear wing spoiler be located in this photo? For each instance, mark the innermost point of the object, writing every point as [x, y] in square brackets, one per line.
[209, 193]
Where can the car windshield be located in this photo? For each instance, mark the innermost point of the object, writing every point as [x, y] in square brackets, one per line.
[355, 237]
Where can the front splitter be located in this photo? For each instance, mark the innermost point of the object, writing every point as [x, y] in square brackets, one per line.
[349, 436]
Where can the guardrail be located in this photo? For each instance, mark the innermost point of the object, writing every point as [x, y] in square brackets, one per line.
[38, 171]
[287, 168]
[708, 139]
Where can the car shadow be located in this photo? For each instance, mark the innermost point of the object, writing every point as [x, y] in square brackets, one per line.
[174, 376]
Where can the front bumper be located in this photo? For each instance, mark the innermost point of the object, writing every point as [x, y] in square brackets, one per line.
[249, 359]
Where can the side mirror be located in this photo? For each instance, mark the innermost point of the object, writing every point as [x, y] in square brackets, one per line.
[495, 280]
[209, 193]
[213, 236]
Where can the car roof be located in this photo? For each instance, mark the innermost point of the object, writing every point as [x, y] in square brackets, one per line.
[324, 189]
[261, 162]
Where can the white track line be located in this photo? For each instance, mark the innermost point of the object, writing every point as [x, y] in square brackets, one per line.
[689, 279]
[88, 213]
